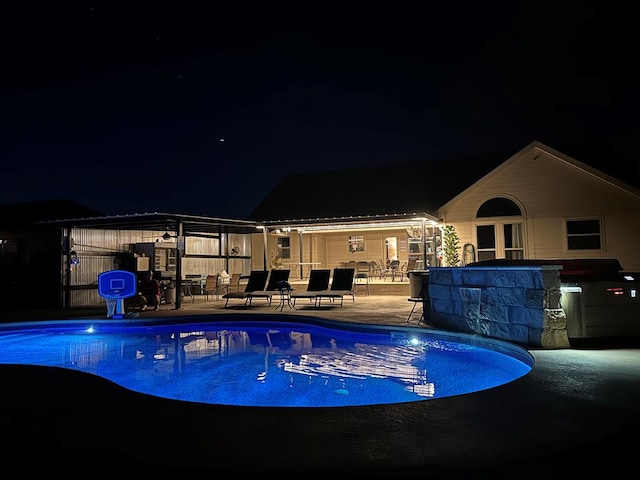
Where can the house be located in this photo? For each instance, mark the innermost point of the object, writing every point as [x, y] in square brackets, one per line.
[537, 203]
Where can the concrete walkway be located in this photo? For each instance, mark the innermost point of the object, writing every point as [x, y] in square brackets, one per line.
[575, 412]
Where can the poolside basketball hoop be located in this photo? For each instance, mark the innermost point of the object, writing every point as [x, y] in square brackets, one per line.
[115, 286]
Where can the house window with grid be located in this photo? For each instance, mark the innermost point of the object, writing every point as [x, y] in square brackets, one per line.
[503, 237]
[356, 243]
[284, 247]
[584, 234]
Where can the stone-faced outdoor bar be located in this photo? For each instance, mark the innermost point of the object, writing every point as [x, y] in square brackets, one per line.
[519, 304]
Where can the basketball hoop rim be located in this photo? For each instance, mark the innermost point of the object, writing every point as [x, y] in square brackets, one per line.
[112, 293]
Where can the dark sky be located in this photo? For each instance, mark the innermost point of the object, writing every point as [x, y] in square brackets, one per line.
[122, 107]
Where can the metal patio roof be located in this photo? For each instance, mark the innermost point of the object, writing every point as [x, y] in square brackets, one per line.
[158, 221]
[198, 225]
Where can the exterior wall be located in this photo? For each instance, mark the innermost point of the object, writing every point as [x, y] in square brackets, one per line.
[257, 251]
[331, 249]
[551, 191]
[518, 304]
[337, 246]
[99, 250]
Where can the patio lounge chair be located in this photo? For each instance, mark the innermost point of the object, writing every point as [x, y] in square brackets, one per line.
[341, 286]
[318, 281]
[257, 281]
[276, 276]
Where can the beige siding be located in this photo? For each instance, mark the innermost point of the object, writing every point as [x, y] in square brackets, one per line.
[330, 249]
[550, 191]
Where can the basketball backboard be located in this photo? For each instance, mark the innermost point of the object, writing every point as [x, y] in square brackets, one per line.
[117, 284]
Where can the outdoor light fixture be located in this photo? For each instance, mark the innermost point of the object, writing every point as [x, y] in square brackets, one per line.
[166, 236]
[346, 227]
[346, 224]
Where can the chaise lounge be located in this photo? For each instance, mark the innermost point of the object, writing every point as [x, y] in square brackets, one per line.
[341, 286]
[257, 282]
[318, 282]
[276, 277]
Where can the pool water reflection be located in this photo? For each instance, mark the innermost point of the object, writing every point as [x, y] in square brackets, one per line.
[283, 364]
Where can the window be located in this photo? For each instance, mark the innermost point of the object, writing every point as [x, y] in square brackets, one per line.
[513, 241]
[284, 247]
[486, 237]
[356, 243]
[584, 234]
[503, 238]
[499, 207]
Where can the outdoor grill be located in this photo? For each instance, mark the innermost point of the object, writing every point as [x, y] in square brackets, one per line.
[599, 299]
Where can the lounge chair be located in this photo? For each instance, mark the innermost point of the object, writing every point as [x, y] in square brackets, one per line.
[276, 276]
[341, 286]
[257, 281]
[318, 281]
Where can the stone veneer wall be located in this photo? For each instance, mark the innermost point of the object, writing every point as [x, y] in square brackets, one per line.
[519, 304]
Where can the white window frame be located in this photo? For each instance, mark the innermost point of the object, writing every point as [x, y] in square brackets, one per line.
[285, 252]
[567, 235]
[499, 249]
[356, 244]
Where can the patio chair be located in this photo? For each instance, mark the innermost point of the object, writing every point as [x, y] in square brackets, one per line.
[422, 298]
[361, 279]
[397, 270]
[234, 283]
[276, 277]
[341, 286]
[318, 281]
[257, 281]
[361, 283]
[362, 267]
[379, 269]
[211, 287]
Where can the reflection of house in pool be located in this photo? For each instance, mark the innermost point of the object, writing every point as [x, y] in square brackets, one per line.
[270, 338]
[362, 361]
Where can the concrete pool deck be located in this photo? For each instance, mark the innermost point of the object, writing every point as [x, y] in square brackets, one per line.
[577, 410]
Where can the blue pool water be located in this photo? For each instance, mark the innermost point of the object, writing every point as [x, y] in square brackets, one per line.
[283, 364]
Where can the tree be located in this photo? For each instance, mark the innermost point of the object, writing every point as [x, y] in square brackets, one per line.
[451, 241]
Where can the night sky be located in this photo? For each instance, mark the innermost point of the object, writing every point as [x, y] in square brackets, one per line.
[185, 108]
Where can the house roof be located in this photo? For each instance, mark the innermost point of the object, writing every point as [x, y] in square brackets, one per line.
[386, 190]
[405, 187]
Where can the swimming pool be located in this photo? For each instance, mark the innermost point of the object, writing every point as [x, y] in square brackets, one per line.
[274, 363]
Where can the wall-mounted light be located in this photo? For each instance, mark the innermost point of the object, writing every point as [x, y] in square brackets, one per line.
[166, 236]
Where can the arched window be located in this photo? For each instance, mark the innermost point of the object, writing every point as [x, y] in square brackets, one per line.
[499, 207]
[499, 239]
